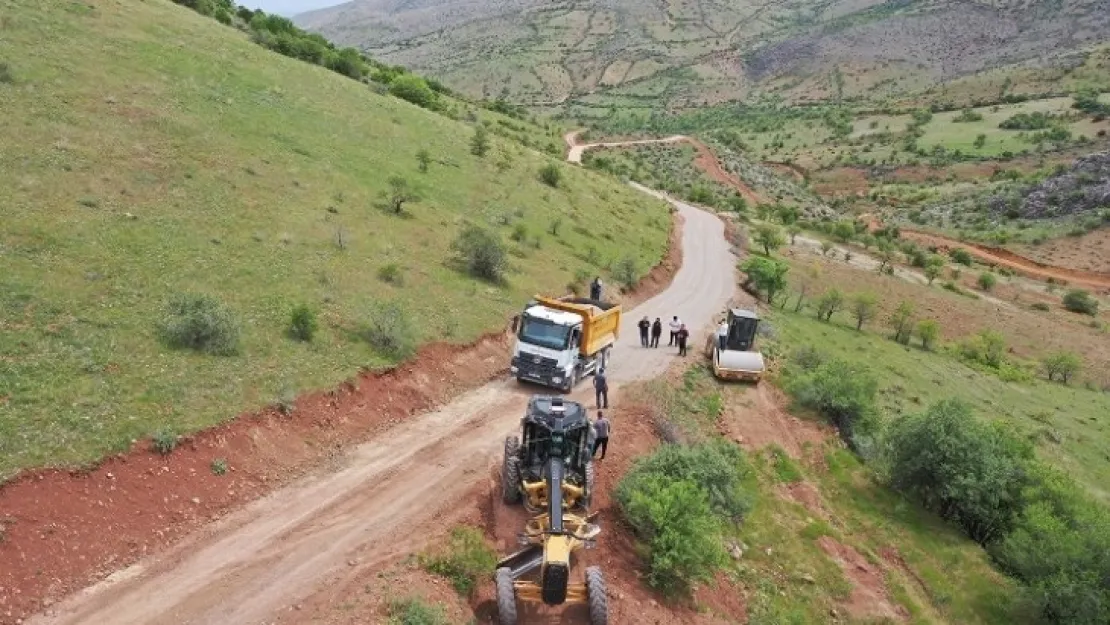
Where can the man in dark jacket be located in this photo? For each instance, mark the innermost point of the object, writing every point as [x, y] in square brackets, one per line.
[681, 336]
[595, 288]
[601, 389]
[601, 428]
[656, 332]
[645, 326]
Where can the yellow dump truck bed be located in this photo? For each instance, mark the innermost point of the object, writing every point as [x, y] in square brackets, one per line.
[601, 322]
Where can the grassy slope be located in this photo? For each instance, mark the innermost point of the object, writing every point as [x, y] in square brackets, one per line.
[1067, 423]
[229, 156]
[947, 578]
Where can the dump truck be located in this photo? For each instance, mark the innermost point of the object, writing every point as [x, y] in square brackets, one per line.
[560, 341]
[731, 349]
[550, 470]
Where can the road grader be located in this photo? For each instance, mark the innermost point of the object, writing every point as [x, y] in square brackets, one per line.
[549, 469]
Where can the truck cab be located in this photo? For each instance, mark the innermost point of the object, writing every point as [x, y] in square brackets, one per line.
[559, 341]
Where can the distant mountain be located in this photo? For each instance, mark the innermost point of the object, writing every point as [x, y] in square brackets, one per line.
[692, 51]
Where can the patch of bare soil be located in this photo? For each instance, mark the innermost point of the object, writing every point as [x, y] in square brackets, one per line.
[1087, 253]
[806, 495]
[870, 598]
[758, 418]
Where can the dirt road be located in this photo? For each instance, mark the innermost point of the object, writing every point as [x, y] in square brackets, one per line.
[253, 565]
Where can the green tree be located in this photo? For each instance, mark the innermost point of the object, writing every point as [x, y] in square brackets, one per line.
[482, 253]
[479, 143]
[980, 141]
[400, 192]
[423, 159]
[843, 392]
[1080, 301]
[414, 89]
[901, 321]
[961, 256]
[829, 303]
[1061, 366]
[302, 323]
[844, 231]
[967, 471]
[767, 275]
[987, 280]
[864, 306]
[550, 174]
[793, 230]
[788, 215]
[737, 204]
[928, 330]
[934, 267]
[770, 237]
[627, 272]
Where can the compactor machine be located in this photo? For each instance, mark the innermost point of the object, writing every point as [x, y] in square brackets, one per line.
[731, 349]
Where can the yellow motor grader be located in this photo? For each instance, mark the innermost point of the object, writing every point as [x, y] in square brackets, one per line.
[551, 471]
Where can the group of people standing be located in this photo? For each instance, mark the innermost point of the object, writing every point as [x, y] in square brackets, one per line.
[650, 332]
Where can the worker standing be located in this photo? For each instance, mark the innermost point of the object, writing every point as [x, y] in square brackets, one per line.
[601, 428]
[601, 389]
[595, 288]
[656, 332]
[645, 326]
[681, 336]
[676, 324]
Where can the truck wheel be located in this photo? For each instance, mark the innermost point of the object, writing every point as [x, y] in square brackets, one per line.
[512, 447]
[510, 480]
[595, 595]
[572, 381]
[506, 597]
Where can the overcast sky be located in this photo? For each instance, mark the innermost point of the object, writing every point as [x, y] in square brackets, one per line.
[288, 7]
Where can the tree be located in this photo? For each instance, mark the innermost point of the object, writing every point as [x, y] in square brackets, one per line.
[961, 256]
[980, 141]
[400, 192]
[968, 471]
[770, 237]
[788, 215]
[810, 276]
[987, 281]
[1061, 365]
[928, 330]
[627, 271]
[481, 252]
[793, 230]
[479, 143]
[901, 320]
[767, 275]
[829, 303]
[423, 159]
[302, 323]
[827, 248]
[864, 306]
[737, 204]
[414, 89]
[1080, 301]
[551, 175]
[886, 259]
[844, 231]
[934, 267]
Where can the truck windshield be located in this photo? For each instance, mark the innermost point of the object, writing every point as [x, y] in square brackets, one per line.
[543, 333]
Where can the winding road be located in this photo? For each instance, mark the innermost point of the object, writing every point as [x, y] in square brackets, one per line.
[280, 550]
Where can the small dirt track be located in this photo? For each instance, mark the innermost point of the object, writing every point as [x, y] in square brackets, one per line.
[388, 495]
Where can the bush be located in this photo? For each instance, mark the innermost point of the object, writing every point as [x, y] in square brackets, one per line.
[1061, 365]
[863, 308]
[961, 256]
[829, 303]
[678, 500]
[481, 252]
[164, 441]
[987, 281]
[986, 348]
[843, 392]
[551, 175]
[302, 323]
[392, 273]
[400, 192]
[627, 272]
[766, 275]
[479, 143]
[201, 323]
[466, 560]
[901, 321]
[390, 331]
[970, 473]
[928, 330]
[1080, 301]
[413, 89]
[6, 76]
[218, 466]
[415, 611]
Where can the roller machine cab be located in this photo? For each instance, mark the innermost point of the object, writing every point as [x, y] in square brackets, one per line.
[732, 348]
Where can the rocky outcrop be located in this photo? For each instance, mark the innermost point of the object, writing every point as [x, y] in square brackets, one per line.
[1082, 188]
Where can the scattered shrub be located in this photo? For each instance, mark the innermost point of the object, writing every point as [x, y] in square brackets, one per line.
[164, 441]
[201, 323]
[1040, 306]
[400, 192]
[482, 253]
[961, 256]
[829, 303]
[1061, 365]
[413, 89]
[464, 562]
[987, 281]
[969, 472]
[841, 391]
[765, 275]
[901, 320]
[6, 76]
[928, 330]
[219, 466]
[627, 272]
[302, 323]
[551, 175]
[423, 159]
[390, 331]
[414, 611]
[986, 348]
[769, 237]
[392, 273]
[1080, 301]
[479, 143]
[864, 306]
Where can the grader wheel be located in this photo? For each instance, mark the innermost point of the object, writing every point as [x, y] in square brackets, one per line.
[595, 595]
[510, 472]
[590, 475]
[506, 597]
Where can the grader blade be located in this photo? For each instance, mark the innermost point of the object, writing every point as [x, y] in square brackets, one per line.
[523, 562]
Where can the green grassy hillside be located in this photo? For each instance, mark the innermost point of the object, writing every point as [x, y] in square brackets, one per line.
[150, 151]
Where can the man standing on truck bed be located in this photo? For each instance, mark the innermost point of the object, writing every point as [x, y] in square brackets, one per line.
[644, 325]
[595, 288]
[676, 325]
[656, 332]
[601, 389]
